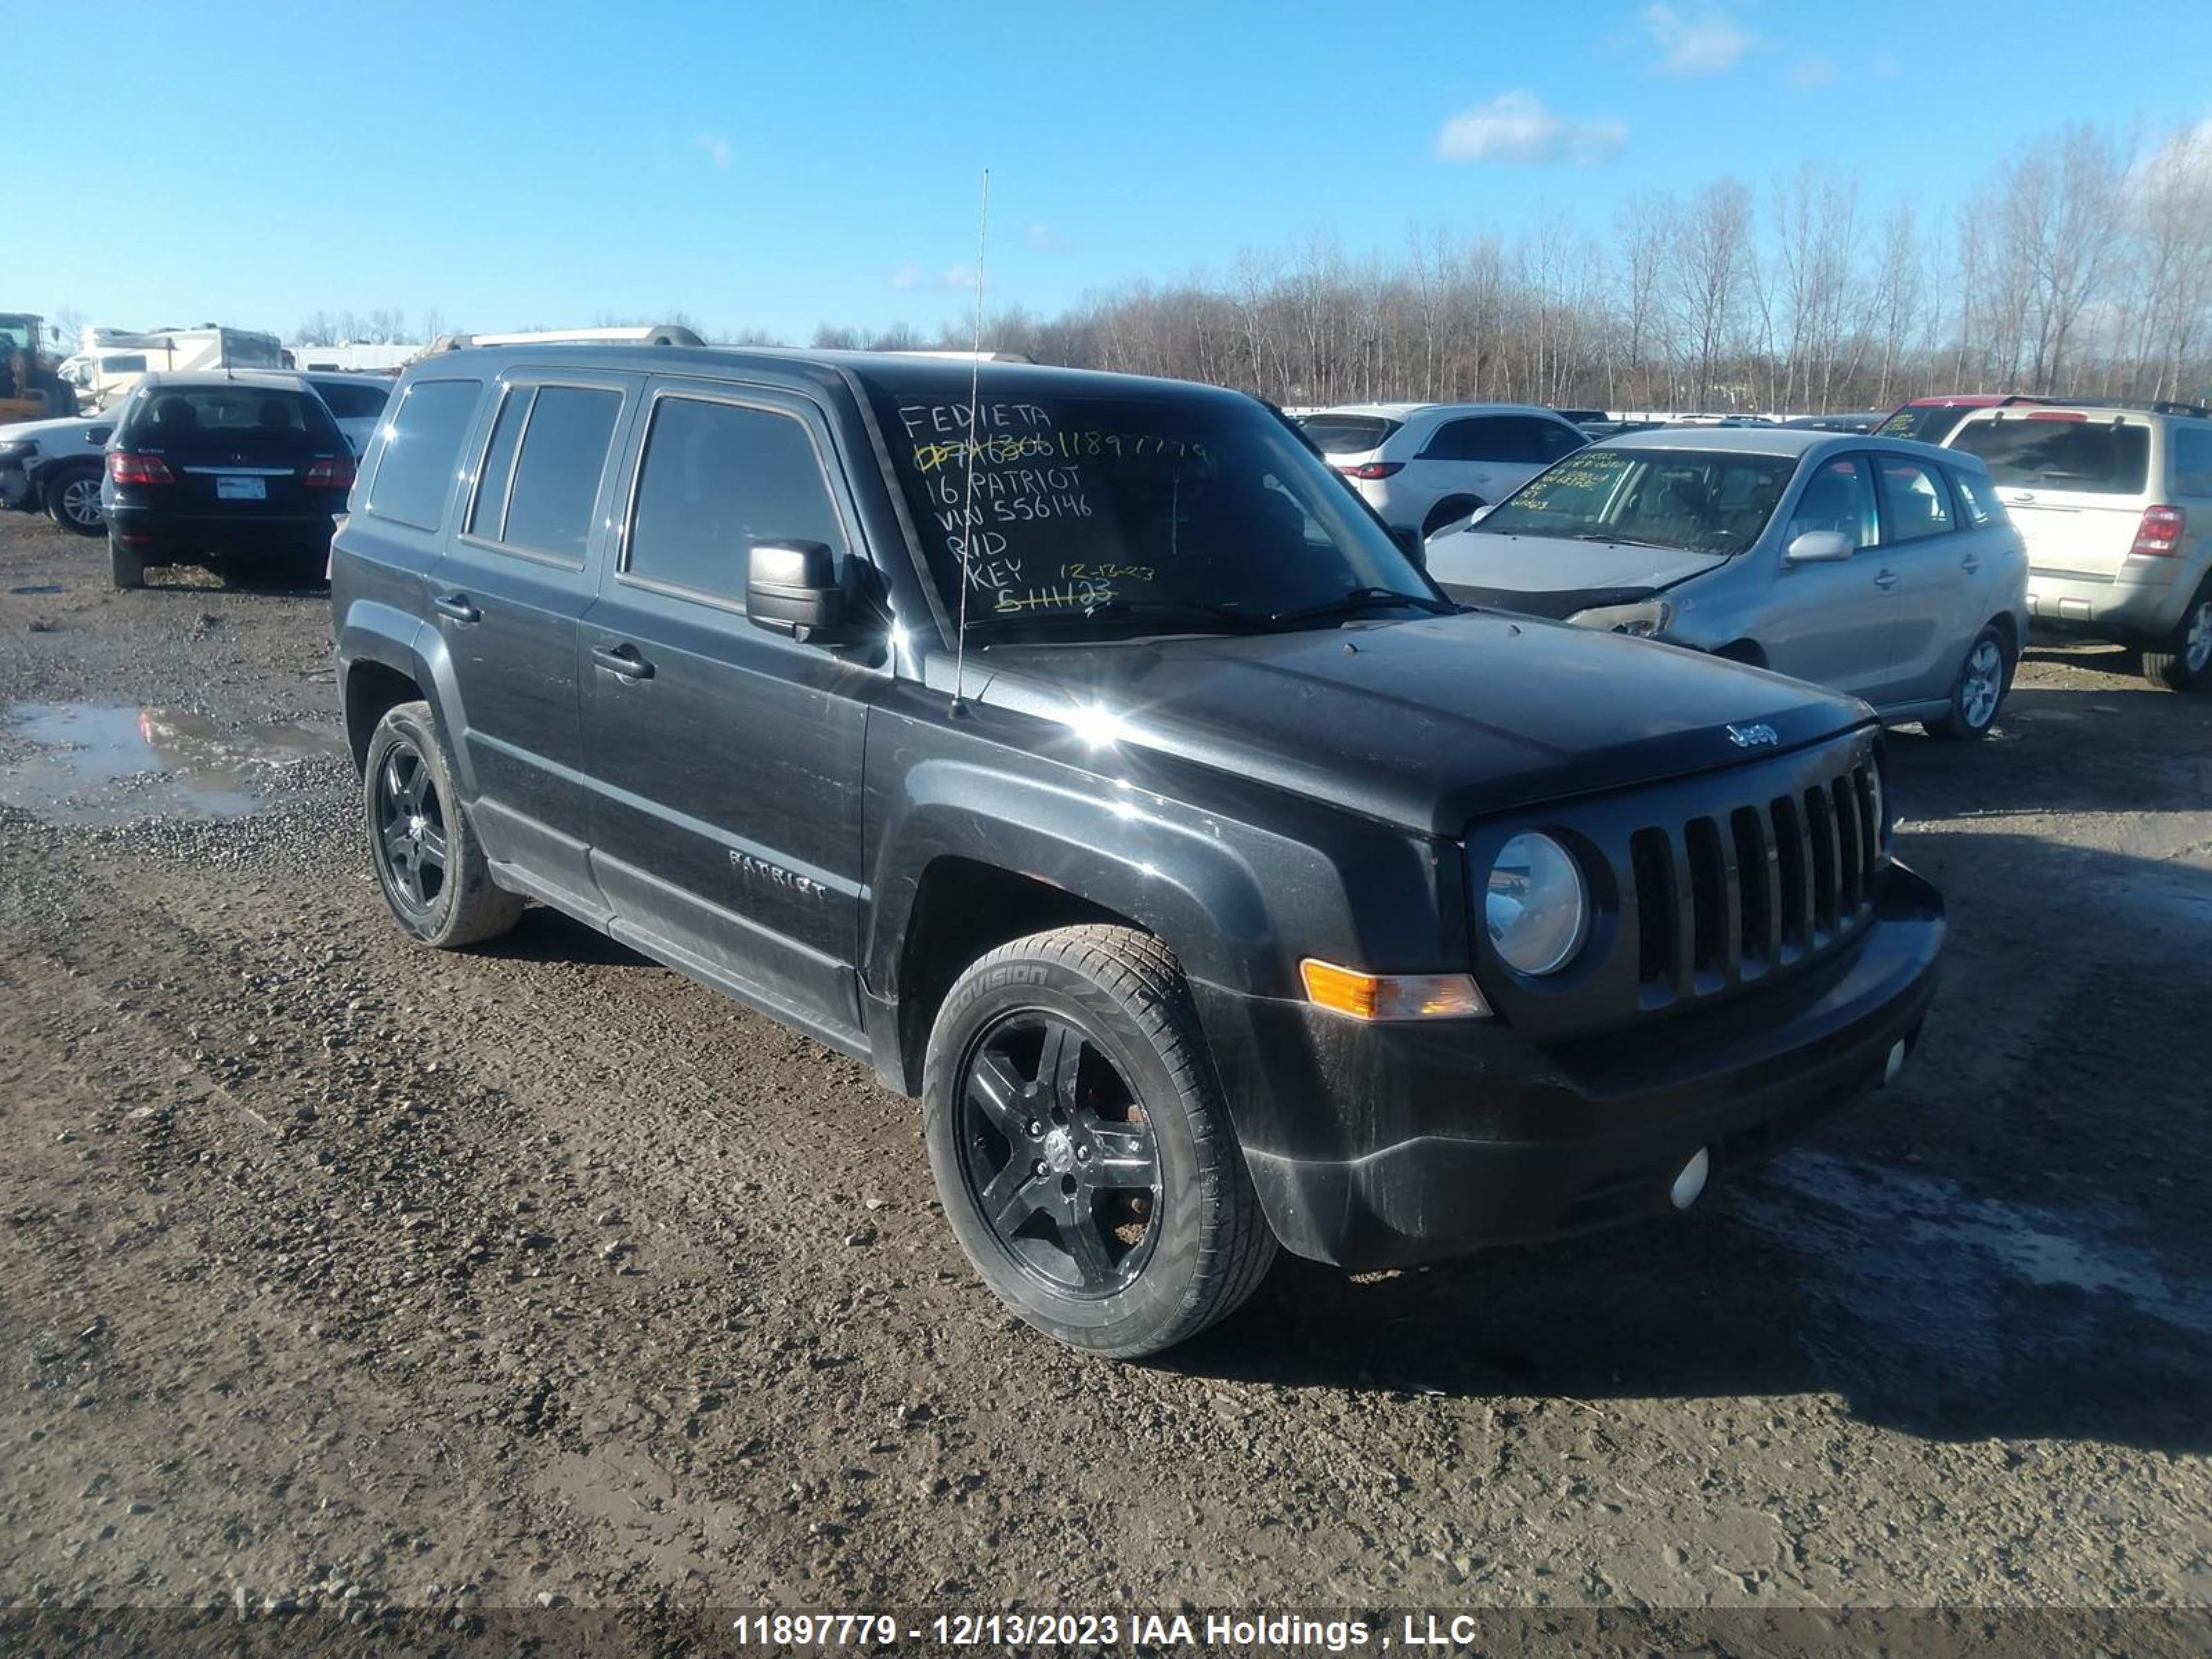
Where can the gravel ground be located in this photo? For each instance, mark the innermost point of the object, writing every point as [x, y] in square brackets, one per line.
[336, 1273]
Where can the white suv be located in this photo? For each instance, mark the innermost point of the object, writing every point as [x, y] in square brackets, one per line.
[2114, 501]
[1422, 466]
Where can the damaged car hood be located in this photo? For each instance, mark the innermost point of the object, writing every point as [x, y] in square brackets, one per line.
[1546, 576]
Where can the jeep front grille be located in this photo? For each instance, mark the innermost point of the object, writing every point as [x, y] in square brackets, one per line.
[1729, 897]
[1703, 888]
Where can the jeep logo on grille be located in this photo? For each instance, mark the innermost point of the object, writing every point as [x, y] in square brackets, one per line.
[1760, 736]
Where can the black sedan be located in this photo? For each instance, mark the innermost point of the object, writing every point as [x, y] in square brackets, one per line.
[239, 467]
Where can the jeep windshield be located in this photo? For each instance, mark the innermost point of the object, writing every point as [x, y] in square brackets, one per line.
[1695, 501]
[1096, 516]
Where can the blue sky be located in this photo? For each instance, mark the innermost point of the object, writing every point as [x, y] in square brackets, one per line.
[774, 166]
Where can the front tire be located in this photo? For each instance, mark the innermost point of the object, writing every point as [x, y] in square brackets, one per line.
[1979, 691]
[126, 566]
[2184, 660]
[430, 865]
[1080, 1144]
[73, 502]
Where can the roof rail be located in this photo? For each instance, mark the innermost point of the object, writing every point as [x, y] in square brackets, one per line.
[667, 334]
[2142, 405]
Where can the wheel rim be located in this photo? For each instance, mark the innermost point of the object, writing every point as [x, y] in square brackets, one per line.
[81, 502]
[2198, 653]
[1982, 685]
[410, 829]
[1059, 1160]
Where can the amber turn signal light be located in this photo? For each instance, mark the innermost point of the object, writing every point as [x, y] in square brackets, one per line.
[1391, 996]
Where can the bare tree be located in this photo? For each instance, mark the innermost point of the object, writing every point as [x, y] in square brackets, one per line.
[1710, 246]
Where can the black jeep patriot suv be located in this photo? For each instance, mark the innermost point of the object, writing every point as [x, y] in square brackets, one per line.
[1229, 887]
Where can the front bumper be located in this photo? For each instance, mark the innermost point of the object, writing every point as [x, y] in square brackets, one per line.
[16, 488]
[2145, 600]
[1378, 1144]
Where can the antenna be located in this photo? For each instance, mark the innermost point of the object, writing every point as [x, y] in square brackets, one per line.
[967, 510]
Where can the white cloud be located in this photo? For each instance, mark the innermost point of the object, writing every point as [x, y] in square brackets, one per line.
[717, 148]
[1711, 42]
[1046, 240]
[959, 278]
[1886, 67]
[1517, 127]
[906, 276]
[1812, 70]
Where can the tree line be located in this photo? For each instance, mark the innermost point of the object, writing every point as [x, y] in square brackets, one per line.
[2083, 266]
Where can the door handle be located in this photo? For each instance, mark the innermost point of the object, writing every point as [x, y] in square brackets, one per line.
[1970, 564]
[1886, 580]
[457, 606]
[622, 661]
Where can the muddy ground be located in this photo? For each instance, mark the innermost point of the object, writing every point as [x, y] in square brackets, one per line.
[337, 1273]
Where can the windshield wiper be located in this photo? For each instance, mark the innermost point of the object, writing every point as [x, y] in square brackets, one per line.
[1363, 598]
[1624, 541]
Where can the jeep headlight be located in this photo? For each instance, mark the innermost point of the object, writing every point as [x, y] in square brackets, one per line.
[1645, 620]
[1537, 905]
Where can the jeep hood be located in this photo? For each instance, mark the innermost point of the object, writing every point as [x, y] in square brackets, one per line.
[1546, 576]
[1428, 723]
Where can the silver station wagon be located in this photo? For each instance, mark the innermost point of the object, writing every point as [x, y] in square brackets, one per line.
[1878, 567]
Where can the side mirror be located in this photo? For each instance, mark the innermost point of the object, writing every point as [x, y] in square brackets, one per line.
[792, 587]
[1411, 545]
[1819, 547]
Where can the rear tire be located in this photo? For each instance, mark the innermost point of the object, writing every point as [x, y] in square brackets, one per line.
[73, 502]
[2183, 662]
[430, 865]
[126, 566]
[1978, 693]
[1081, 1147]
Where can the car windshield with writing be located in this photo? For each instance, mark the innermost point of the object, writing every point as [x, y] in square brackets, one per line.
[1696, 501]
[1124, 515]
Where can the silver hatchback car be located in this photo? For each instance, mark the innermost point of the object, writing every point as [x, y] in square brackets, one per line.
[1878, 567]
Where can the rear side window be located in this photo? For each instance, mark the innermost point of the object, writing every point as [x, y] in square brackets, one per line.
[2041, 452]
[556, 476]
[716, 478]
[1348, 435]
[2192, 458]
[1975, 499]
[1517, 438]
[422, 451]
[351, 402]
[1915, 504]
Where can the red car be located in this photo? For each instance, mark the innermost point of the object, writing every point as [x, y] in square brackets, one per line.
[1931, 420]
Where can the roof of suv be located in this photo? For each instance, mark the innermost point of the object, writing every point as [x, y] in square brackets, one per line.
[895, 372]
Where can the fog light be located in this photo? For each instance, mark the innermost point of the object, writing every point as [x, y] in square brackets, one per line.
[1692, 1181]
[1895, 1063]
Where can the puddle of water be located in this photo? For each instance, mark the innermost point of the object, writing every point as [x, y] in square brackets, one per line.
[102, 762]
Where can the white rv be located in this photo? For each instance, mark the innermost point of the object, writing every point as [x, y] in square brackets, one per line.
[110, 360]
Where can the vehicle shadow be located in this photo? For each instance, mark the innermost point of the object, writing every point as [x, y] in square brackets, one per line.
[2008, 1242]
[547, 935]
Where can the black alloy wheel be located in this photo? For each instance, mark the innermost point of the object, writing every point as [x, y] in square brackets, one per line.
[1057, 1155]
[411, 837]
